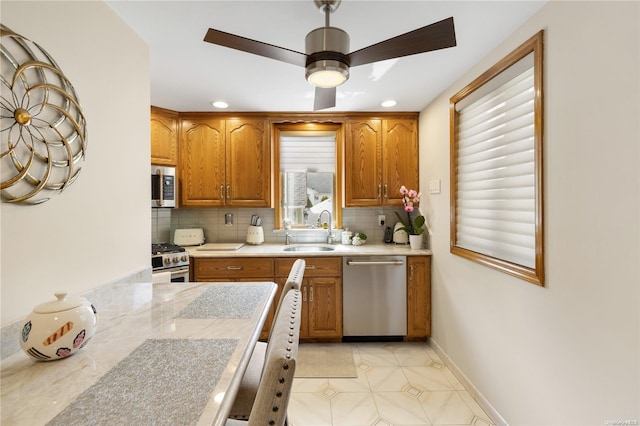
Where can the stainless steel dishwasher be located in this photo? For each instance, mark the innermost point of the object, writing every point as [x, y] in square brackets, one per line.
[374, 298]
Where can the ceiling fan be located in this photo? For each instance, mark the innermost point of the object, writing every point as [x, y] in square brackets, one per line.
[326, 59]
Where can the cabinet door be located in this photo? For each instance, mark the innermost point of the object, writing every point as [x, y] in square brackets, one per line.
[248, 164]
[325, 307]
[164, 137]
[363, 163]
[418, 296]
[202, 162]
[400, 153]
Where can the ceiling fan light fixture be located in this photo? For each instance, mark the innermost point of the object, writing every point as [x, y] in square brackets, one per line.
[327, 74]
[327, 64]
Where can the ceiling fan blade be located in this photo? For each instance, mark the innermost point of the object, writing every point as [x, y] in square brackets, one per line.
[325, 97]
[256, 47]
[439, 35]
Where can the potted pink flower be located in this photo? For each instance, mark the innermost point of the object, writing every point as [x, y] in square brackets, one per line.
[415, 227]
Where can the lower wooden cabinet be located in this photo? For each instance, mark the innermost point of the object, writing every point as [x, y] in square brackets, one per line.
[321, 290]
[233, 269]
[418, 297]
[321, 295]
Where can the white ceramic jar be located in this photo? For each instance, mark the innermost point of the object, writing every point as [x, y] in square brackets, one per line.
[59, 328]
[346, 237]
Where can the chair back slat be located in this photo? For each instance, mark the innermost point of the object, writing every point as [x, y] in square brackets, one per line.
[274, 390]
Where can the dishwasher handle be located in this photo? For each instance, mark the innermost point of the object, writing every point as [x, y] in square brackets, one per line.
[374, 262]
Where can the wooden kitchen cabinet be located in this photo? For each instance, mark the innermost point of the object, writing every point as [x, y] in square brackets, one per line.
[164, 137]
[248, 163]
[233, 269]
[224, 162]
[321, 296]
[321, 287]
[381, 155]
[202, 157]
[418, 297]
[321, 290]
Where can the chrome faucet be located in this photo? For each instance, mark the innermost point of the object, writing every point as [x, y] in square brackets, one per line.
[330, 234]
[287, 238]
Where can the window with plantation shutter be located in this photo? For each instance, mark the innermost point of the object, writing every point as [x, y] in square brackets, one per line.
[496, 169]
[316, 153]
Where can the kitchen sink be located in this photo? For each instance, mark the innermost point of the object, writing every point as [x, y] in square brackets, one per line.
[309, 248]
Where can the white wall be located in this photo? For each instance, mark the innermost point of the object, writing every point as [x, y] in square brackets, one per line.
[98, 230]
[566, 354]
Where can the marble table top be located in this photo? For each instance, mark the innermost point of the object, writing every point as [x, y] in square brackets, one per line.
[163, 354]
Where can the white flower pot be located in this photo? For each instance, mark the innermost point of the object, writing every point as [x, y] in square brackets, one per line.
[415, 241]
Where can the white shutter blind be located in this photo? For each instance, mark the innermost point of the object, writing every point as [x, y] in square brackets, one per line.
[308, 153]
[495, 202]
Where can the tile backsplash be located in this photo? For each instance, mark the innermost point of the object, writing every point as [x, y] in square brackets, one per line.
[165, 221]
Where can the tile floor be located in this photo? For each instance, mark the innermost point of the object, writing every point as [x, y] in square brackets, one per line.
[398, 384]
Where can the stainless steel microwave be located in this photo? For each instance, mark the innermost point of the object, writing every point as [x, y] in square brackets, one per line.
[163, 186]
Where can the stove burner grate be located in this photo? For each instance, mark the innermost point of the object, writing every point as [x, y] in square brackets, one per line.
[163, 248]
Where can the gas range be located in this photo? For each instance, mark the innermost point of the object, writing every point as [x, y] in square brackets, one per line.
[165, 256]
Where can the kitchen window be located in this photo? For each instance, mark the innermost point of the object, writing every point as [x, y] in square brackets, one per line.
[308, 158]
[496, 166]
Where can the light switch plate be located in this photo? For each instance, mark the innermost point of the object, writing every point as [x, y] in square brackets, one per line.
[434, 186]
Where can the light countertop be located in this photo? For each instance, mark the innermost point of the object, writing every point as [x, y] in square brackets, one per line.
[279, 250]
[162, 354]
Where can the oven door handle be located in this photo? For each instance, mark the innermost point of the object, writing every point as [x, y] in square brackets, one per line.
[180, 271]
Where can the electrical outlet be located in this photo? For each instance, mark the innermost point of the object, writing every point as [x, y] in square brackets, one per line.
[381, 219]
[434, 186]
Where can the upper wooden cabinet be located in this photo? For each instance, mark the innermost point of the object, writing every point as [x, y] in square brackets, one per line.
[164, 137]
[224, 162]
[248, 163]
[381, 155]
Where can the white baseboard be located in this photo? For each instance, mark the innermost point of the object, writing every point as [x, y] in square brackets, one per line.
[473, 391]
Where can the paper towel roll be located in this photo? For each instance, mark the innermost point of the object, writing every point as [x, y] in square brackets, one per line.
[161, 277]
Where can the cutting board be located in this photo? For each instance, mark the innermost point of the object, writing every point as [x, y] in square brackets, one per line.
[220, 246]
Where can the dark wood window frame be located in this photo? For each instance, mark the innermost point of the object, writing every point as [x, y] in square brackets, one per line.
[533, 274]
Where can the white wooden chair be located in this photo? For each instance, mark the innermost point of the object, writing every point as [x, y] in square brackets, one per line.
[274, 389]
[251, 379]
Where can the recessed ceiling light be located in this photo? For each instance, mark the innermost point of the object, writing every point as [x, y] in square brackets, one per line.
[388, 104]
[220, 104]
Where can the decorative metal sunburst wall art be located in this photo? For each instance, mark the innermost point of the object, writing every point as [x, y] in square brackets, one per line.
[42, 127]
